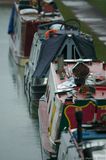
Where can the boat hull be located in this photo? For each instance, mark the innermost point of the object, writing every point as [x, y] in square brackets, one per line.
[47, 151]
[33, 92]
[19, 60]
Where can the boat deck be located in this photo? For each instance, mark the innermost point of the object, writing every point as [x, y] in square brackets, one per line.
[97, 73]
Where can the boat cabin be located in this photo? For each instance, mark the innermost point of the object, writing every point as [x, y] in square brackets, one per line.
[24, 20]
[92, 146]
[67, 41]
[73, 86]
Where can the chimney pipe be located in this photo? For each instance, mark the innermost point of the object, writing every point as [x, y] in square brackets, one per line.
[79, 115]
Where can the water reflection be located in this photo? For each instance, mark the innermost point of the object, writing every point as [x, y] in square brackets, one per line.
[17, 75]
[19, 135]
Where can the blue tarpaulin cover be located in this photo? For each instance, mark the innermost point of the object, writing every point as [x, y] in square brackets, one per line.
[48, 52]
[50, 49]
[11, 20]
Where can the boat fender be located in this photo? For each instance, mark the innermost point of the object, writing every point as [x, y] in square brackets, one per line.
[50, 33]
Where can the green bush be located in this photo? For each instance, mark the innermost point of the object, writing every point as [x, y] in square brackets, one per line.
[100, 5]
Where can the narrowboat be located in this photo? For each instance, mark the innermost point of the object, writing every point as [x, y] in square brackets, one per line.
[51, 40]
[24, 20]
[74, 101]
[92, 144]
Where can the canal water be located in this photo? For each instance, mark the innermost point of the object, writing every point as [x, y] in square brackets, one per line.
[19, 130]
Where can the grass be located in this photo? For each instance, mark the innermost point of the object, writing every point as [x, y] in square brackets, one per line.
[100, 5]
[99, 46]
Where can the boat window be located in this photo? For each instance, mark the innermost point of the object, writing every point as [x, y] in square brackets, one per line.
[32, 51]
[36, 56]
[49, 107]
[74, 53]
[47, 93]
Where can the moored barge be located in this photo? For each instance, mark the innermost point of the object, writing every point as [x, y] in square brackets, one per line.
[24, 20]
[78, 86]
[64, 39]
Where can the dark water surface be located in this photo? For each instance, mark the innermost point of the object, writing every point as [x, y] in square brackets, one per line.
[19, 135]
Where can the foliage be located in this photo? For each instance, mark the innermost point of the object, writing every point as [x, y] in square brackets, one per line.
[68, 13]
[100, 5]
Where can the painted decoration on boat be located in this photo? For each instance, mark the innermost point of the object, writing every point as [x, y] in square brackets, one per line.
[52, 117]
[90, 108]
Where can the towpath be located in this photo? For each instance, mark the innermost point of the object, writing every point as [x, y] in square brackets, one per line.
[87, 13]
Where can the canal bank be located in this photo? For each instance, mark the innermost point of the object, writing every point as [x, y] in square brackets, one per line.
[67, 9]
[19, 134]
[6, 2]
[88, 14]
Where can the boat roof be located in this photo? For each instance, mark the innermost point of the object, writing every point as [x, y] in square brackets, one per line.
[95, 82]
[30, 16]
[51, 49]
[29, 13]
